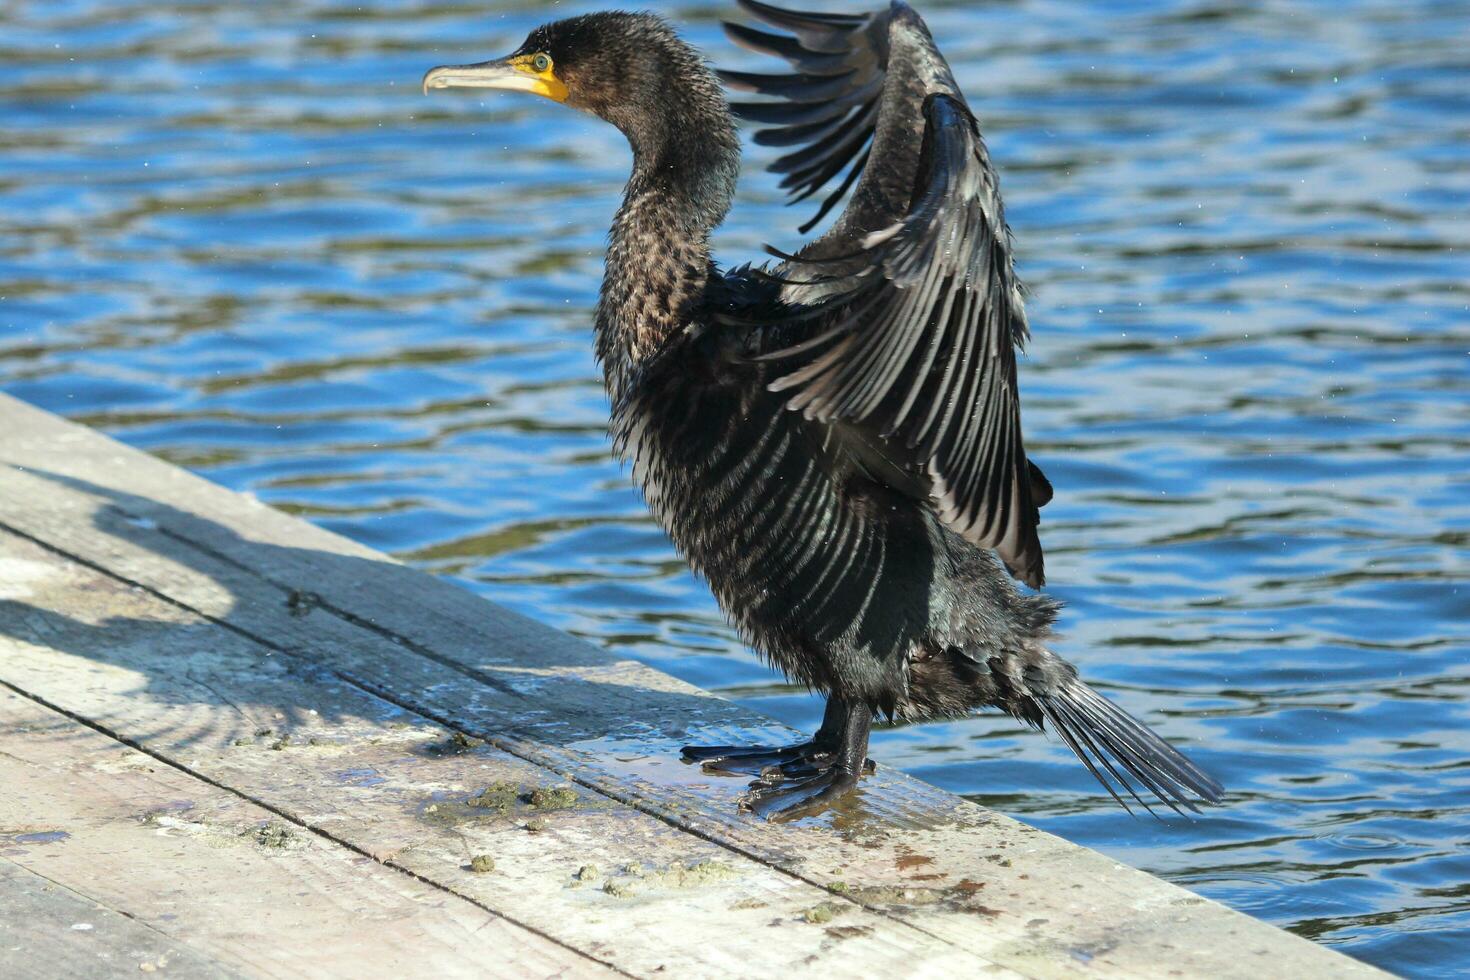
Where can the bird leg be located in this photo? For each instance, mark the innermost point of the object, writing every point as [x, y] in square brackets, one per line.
[774, 761]
[802, 797]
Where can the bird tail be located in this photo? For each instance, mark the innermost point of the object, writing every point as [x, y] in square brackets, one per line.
[1111, 742]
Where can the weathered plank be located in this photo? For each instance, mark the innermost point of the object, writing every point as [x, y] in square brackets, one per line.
[207, 878]
[942, 867]
[329, 758]
[46, 928]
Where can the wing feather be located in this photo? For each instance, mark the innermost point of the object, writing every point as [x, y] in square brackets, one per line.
[831, 99]
[911, 336]
[901, 324]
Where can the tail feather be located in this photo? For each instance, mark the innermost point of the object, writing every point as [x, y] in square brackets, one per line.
[1101, 734]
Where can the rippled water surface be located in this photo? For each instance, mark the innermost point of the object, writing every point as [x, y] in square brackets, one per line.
[237, 236]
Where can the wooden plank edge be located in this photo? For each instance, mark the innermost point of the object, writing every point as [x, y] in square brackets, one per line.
[223, 877]
[48, 927]
[225, 531]
[707, 885]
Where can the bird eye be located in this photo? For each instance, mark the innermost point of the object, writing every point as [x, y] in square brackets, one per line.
[542, 63]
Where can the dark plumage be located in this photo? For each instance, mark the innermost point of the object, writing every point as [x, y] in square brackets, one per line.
[834, 443]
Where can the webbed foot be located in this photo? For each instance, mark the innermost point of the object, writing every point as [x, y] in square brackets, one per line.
[783, 801]
[800, 759]
[812, 781]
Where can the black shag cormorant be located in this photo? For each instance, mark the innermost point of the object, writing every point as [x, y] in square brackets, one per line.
[834, 442]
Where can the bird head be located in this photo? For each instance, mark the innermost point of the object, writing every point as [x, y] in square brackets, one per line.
[627, 68]
[635, 72]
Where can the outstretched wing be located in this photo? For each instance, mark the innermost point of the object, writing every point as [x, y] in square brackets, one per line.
[899, 327]
[830, 108]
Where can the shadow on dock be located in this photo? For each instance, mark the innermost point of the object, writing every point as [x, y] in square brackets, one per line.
[534, 683]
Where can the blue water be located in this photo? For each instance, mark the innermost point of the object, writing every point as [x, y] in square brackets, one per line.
[237, 236]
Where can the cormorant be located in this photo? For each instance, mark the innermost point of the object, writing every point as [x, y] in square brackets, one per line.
[834, 443]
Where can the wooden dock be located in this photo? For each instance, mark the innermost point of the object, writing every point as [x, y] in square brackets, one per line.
[234, 744]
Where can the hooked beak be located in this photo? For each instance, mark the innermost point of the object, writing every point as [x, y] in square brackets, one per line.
[508, 74]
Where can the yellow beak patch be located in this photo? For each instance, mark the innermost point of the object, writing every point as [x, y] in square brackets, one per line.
[543, 83]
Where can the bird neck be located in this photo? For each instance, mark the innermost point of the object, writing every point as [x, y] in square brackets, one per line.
[685, 161]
